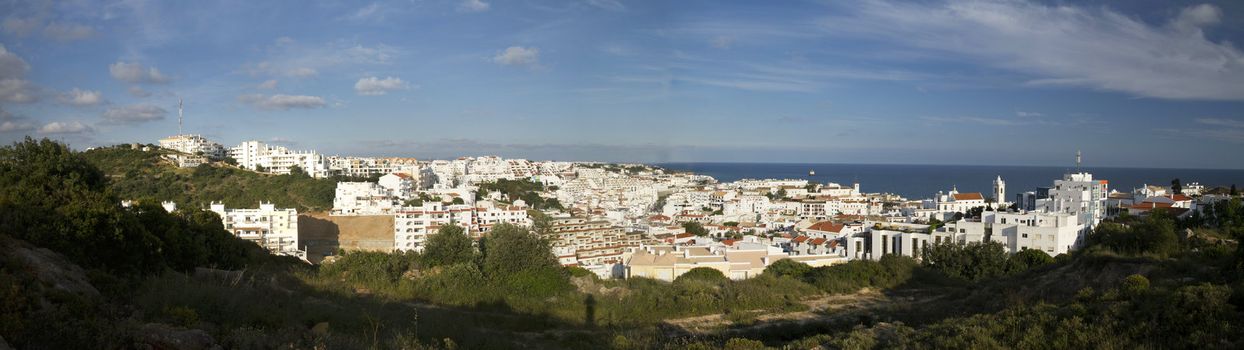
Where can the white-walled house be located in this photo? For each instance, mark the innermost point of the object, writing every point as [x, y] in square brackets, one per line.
[274, 229]
[362, 198]
[400, 185]
[1053, 233]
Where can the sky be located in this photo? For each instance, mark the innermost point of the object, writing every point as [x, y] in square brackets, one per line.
[1136, 83]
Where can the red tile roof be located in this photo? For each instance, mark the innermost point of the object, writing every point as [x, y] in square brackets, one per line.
[826, 226]
[818, 241]
[969, 196]
[800, 239]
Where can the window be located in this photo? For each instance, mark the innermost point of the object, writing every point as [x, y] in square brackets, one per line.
[1025, 235]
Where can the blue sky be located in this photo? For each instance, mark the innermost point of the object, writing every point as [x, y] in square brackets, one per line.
[1131, 83]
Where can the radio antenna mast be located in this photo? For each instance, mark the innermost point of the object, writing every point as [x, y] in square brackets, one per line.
[179, 103]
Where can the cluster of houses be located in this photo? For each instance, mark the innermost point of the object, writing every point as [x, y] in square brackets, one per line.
[633, 220]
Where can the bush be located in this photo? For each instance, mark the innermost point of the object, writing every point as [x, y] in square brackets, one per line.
[522, 261]
[704, 274]
[449, 245]
[1027, 259]
[973, 261]
[788, 268]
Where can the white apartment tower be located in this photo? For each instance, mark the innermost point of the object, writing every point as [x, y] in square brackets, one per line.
[274, 229]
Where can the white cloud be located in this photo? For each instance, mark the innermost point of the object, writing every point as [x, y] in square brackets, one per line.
[136, 73]
[11, 126]
[1230, 123]
[73, 127]
[13, 84]
[369, 12]
[288, 58]
[1064, 45]
[1028, 114]
[21, 26]
[473, 6]
[376, 86]
[267, 85]
[67, 31]
[17, 91]
[138, 92]
[79, 97]
[11, 123]
[518, 56]
[282, 102]
[722, 41]
[611, 5]
[134, 114]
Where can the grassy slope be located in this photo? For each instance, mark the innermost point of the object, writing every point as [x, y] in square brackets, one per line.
[142, 175]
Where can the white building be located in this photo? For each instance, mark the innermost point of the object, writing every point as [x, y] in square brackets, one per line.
[258, 156]
[193, 144]
[274, 229]
[1080, 195]
[1053, 233]
[400, 185]
[363, 198]
[412, 225]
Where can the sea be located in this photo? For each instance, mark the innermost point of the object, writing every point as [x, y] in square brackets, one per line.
[924, 181]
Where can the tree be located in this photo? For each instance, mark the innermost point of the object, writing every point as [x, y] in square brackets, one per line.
[1027, 259]
[1177, 187]
[695, 228]
[522, 262]
[973, 261]
[448, 246]
[457, 200]
[788, 267]
[705, 274]
[1233, 192]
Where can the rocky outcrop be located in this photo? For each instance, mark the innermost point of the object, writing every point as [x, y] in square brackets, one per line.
[50, 268]
[156, 336]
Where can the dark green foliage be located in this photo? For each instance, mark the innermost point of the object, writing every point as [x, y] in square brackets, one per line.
[973, 261]
[891, 270]
[140, 175]
[695, 228]
[522, 261]
[448, 246]
[52, 197]
[1154, 234]
[788, 268]
[526, 190]
[702, 274]
[371, 268]
[1027, 259]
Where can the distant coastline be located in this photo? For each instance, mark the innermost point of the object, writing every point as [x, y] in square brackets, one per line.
[924, 180]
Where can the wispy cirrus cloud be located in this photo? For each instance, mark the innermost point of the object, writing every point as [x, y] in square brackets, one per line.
[136, 73]
[473, 6]
[287, 57]
[1063, 45]
[282, 102]
[130, 114]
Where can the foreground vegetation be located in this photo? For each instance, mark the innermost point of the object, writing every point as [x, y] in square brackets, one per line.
[133, 276]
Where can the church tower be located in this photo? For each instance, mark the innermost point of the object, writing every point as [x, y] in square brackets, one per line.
[999, 190]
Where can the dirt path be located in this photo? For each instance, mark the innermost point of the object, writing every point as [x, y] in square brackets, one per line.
[828, 308]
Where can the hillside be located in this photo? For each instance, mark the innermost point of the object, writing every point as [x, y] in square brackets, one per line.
[78, 271]
[139, 175]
